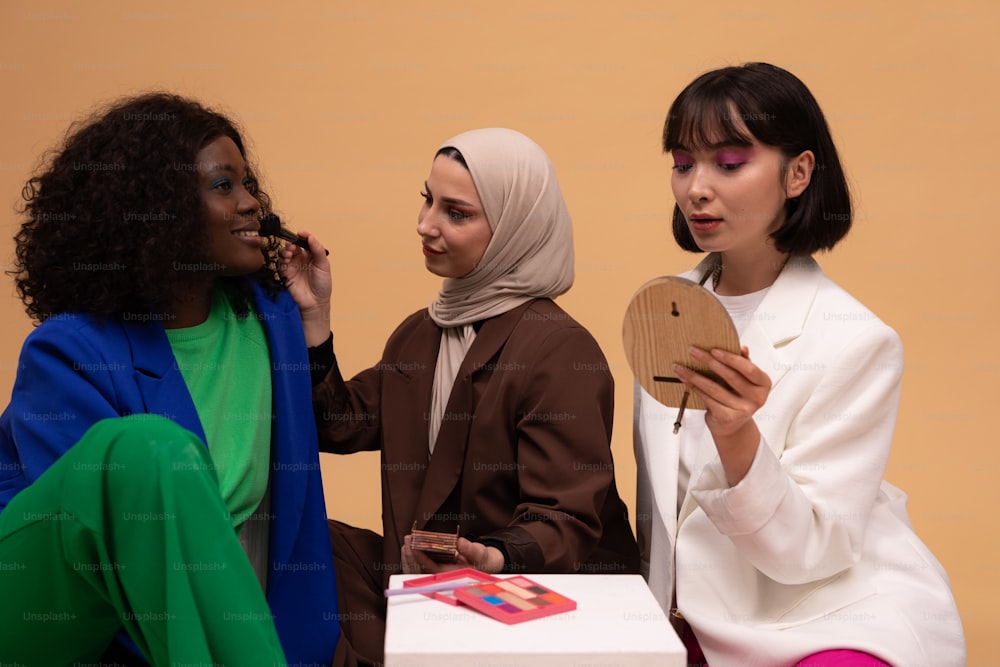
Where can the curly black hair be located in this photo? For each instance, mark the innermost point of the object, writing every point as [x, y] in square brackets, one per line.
[118, 209]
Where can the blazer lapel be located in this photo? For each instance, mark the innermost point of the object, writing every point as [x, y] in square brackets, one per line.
[781, 315]
[406, 385]
[445, 468]
[778, 320]
[292, 441]
[783, 312]
[660, 455]
[158, 378]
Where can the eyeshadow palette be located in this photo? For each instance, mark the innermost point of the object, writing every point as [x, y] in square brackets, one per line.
[461, 578]
[439, 547]
[514, 600]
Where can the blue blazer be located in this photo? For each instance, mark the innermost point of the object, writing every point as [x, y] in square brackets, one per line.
[76, 370]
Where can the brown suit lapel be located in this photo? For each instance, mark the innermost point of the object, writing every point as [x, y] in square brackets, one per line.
[445, 469]
[406, 392]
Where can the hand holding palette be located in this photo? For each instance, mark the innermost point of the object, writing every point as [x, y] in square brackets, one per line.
[512, 600]
[439, 547]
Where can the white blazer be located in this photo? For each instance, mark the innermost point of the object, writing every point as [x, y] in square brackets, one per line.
[812, 550]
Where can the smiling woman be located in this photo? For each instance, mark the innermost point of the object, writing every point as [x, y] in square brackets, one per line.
[180, 479]
[232, 211]
[145, 210]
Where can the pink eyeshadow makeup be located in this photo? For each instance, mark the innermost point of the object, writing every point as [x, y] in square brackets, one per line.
[514, 600]
[732, 156]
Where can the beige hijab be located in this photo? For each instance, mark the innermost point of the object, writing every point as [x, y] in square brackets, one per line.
[529, 256]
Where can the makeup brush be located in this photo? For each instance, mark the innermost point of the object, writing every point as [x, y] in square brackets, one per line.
[430, 588]
[270, 225]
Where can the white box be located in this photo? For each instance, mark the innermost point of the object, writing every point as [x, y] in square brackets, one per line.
[617, 623]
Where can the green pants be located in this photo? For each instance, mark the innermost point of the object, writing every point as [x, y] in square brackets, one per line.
[128, 529]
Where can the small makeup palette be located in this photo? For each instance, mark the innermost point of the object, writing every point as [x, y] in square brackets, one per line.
[439, 547]
[460, 578]
[514, 600]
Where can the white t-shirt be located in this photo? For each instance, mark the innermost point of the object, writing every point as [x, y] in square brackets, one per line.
[741, 310]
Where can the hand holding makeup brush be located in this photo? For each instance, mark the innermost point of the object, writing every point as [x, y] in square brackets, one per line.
[270, 225]
[307, 276]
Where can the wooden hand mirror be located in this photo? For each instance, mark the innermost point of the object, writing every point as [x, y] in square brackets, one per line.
[665, 318]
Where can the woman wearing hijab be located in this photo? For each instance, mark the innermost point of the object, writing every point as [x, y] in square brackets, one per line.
[492, 408]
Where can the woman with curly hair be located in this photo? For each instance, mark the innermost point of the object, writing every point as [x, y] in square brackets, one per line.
[158, 461]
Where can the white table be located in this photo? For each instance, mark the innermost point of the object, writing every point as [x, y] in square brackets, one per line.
[617, 623]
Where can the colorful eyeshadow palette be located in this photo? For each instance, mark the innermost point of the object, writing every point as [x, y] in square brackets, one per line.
[514, 600]
[461, 578]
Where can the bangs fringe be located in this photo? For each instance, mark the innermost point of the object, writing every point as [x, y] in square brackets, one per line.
[704, 118]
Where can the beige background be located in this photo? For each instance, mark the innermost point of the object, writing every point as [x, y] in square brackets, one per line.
[345, 104]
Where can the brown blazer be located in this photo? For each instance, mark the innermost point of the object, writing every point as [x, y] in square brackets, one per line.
[523, 458]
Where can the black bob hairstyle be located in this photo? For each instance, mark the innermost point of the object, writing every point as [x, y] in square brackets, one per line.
[734, 105]
[115, 225]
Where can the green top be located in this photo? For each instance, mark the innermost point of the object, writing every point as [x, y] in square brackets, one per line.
[226, 363]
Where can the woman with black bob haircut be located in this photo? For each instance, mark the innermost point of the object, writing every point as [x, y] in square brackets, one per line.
[159, 468]
[764, 522]
[734, 106]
